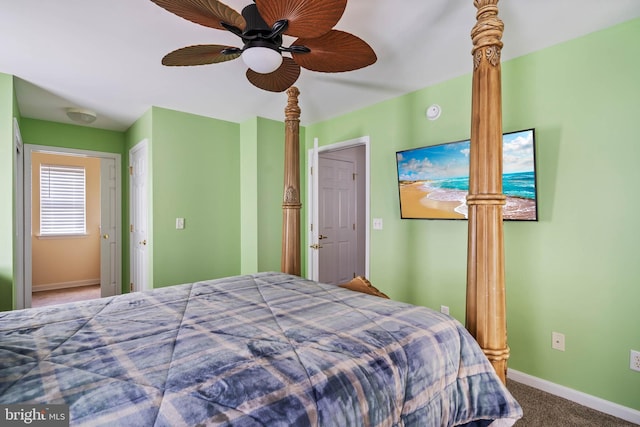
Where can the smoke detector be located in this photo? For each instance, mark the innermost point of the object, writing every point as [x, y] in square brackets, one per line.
[433, 112]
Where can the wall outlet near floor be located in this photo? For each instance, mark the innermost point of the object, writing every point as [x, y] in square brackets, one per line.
[557, 341]
[444, 309]
[635, 360]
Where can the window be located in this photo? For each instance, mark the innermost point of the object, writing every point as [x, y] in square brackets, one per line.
[62, 200]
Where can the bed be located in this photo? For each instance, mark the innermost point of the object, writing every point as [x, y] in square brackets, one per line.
[269, 349]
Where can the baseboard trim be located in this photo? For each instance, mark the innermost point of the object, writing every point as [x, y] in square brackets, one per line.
[64, 285]
[623, 412]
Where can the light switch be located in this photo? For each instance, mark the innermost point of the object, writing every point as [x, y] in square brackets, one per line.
[377, 223]
[179, 223]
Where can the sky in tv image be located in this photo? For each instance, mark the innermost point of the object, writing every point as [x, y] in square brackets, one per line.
[437, 178]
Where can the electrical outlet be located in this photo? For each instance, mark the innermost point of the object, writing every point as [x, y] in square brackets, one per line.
[557, 341]
[444, 309]
[635, 360]
[179, 223]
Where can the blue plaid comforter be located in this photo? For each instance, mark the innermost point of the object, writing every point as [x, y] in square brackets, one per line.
[262, 350]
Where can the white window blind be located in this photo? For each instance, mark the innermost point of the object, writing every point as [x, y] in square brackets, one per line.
[62, 200]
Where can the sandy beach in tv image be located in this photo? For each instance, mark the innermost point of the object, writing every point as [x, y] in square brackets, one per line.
[434, 181]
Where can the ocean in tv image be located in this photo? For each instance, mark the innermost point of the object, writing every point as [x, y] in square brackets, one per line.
[434, 181]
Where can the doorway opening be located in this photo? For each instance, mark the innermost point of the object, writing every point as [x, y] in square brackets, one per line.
[339, 211]
[69, 263]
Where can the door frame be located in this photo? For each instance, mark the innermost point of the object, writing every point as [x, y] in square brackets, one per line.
[19, 213]
[25, 289]
[312, 199]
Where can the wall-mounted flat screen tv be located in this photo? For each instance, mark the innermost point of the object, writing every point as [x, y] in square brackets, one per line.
[433, 181]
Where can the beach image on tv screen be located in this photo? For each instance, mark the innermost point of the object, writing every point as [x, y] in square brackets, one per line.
[433, 181]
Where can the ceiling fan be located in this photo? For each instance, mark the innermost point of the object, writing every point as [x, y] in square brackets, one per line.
[261, 27]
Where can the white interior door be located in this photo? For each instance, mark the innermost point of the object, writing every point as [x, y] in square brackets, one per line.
[337, 220]
[354, 151]
[109, 260]
[139, 216]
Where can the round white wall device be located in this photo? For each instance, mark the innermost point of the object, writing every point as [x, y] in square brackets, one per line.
[433, 112]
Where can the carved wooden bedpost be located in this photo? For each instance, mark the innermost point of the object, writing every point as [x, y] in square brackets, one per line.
[486, 306]
[290, 261]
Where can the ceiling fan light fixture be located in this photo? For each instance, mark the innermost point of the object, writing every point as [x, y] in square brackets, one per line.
[81, 115]
[262, 27]
[263, 60]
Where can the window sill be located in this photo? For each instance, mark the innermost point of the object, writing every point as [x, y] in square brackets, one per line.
[61, 236]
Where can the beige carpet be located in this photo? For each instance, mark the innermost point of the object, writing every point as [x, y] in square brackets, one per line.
[542, 409]
[59, 296]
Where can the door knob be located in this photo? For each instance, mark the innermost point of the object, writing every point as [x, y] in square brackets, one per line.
[105, 236]
[322, 237]
[315, 246]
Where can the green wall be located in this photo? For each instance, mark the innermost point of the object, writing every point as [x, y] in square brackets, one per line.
[42, 132]
[249, 196]
[262, 181]
[270, 193]
[575, 271]
[222, 178]
[196, 163]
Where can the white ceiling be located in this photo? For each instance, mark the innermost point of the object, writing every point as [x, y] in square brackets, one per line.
[105, 55]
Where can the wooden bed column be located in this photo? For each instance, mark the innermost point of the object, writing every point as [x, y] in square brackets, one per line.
[290, 261]
[486, 306]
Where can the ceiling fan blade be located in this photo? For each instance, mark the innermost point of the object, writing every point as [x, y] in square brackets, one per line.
[278, 81]
[209, 13]
[306, 18]
[334, 52]
[200, 55]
